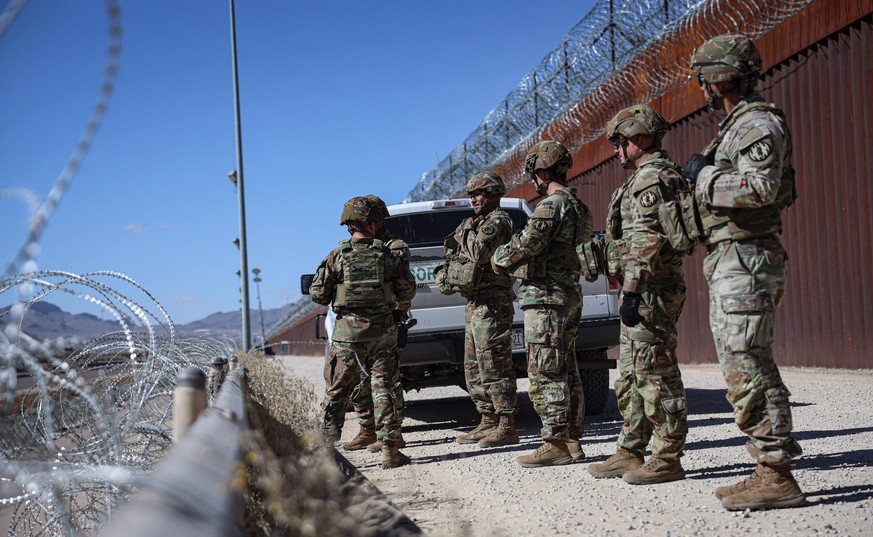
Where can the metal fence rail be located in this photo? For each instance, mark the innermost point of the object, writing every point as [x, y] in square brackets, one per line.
[198, 489]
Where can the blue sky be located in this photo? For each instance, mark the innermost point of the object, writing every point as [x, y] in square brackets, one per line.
[338, 99]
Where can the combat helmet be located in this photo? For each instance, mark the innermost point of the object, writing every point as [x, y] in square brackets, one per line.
[487, 181]
[377, 206]
[726, 57]
[358, 210]
[639, 119]
[548, 155]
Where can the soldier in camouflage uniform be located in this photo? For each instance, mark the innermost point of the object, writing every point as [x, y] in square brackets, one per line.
[362, 398]
[544, 255]
[363, 281]
[649, 389]
[744, 182]
[487, 337]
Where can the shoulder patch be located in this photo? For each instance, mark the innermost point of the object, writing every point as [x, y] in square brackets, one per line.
[648, 199]
[541, 225]
[488, 229]
[760, 150]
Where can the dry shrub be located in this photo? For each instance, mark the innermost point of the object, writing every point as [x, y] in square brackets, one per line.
[296, 487]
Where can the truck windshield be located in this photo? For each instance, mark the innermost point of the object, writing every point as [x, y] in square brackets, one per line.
[432, 227]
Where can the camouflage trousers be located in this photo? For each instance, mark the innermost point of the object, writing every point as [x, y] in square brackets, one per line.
[366, 362]
[555, 386]
[746, 285]
[649, 388]
[362, 396]
[488, 354]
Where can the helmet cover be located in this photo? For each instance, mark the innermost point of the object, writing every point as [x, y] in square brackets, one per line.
[548, 155]
[357, 209]
[638, 119]
[726, 57]
[377, 206]
[487, 181]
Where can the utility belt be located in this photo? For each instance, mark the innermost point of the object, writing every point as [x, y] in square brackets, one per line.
[726, 243]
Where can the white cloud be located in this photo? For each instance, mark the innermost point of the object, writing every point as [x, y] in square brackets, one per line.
[135, 228]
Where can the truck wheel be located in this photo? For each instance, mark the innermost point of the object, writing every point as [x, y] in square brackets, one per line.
[595, 382]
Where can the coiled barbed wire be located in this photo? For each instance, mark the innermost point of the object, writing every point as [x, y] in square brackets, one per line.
[623, 52]
[82, 425]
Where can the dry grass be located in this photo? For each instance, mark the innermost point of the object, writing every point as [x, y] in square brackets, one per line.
[296, 487]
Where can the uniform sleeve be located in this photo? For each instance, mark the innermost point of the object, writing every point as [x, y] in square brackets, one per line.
[481, 242]
[647, 239]
[403, 280]
[751, 179]
[399, 248]
[324, 283]
[541, 228]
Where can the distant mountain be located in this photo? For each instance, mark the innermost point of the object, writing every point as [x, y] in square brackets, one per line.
[47, 321]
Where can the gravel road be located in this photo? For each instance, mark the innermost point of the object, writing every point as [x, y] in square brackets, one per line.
[453, 489]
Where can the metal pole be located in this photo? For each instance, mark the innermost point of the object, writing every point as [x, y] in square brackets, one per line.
[243, 256]
[258, 281]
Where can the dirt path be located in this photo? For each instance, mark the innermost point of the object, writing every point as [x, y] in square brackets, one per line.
[453, 489]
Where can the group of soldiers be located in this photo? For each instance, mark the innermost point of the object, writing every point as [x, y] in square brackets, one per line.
[729, 198]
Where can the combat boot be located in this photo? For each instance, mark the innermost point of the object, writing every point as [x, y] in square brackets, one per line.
[486, 425]
[366, 436]
[392, 457]
[551, 453]
[376, 446]
[503, 435]
[623, 460]
[575, 449]
[655, 470]
[774, 487]
[736, 488]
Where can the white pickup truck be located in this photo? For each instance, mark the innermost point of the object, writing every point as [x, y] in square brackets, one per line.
[434, 353]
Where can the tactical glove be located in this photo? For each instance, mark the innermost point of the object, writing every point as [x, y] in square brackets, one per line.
[630, 309]
[695, 165]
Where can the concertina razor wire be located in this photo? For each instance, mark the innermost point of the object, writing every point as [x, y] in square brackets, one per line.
[623, 52]
[83, 422]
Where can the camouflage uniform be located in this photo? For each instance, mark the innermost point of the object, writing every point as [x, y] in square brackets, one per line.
[746, 192]
[544, 257]
[364, 341]
[487, 336]
[649, 389]
[362, 398]
[744, 182]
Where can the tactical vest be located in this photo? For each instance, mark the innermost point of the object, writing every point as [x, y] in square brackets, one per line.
[459, 274]
[363, 284]
[562, 254]
[686, 221]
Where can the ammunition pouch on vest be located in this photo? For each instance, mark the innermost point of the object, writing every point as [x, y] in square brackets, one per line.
[616, 249]
[593, 258]
[458, 274]
[363, 282]
[681, 221]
